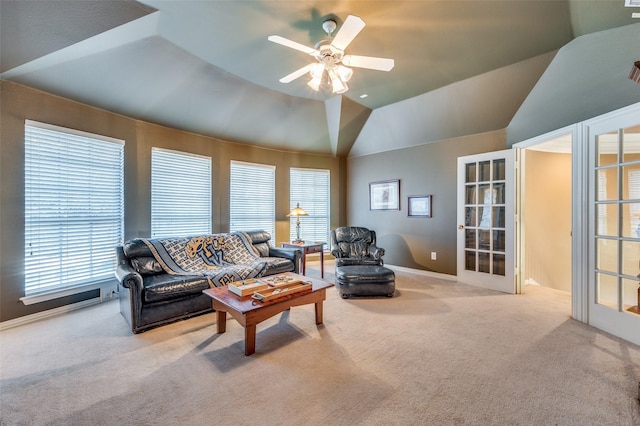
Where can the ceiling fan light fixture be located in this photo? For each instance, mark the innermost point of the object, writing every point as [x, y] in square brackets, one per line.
[316, 72]
[314, 83]
[329, 53]
[336, 83]
[344, 73]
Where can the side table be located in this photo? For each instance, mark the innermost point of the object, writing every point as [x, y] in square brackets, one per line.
[307, 248]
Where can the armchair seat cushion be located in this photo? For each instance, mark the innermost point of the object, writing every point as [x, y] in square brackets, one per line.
[365, 280]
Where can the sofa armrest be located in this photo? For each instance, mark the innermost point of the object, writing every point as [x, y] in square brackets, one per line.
[128, 277]
[376, 252]
[293, 254]
[125, 274]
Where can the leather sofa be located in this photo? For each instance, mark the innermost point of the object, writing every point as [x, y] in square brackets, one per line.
[150, 296]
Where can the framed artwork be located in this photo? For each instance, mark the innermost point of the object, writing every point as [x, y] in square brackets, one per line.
[419, 205]
[384, 195]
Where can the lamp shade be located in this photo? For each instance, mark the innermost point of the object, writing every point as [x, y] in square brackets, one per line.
[298, 211]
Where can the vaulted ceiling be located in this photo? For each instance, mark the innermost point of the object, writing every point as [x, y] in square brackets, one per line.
[207, 66]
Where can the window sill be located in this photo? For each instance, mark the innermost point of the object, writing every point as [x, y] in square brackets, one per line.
[70, 291]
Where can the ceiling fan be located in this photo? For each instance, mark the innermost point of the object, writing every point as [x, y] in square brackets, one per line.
[330, 57]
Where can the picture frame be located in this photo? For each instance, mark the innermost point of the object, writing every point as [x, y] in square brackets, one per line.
[384, 195]
[419, 205]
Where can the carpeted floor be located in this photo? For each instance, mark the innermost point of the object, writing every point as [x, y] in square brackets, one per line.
[438, 353]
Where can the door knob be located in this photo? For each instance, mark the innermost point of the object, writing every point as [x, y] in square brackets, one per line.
[460, 226]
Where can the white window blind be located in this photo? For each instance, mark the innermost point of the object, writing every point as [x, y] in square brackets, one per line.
[602, 208]
[310, 188]
[634, 208]
[180, 193]
[252, 196]
[73, 207]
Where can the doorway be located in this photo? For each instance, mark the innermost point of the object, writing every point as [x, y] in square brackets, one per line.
[545, 214]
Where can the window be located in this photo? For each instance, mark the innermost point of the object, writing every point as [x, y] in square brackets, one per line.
[310, 188]
[73, 210]
[180, 194]
[252, 197]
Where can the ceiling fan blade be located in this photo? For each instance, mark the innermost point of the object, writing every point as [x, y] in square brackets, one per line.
[298, 73]
[373, 63]
[292, 44]
[349, 30]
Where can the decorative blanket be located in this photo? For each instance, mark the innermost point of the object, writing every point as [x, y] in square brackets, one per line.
[221, 258]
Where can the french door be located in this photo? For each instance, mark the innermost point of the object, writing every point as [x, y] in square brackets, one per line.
[485, 210]
[614, 228]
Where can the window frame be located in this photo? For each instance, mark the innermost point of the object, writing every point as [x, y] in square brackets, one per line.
[167, 176]
[265, 193]
[57, 189]
[296, 195]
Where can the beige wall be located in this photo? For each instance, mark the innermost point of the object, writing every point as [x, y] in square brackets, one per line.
[19, 103]
[547, 219]
[428, 169]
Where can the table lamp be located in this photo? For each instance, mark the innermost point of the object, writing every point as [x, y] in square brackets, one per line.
[297, 212]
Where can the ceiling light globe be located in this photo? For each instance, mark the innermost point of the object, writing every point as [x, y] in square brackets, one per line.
[345, 73]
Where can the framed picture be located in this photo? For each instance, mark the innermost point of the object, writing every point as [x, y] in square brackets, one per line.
[419, 205]
[384, 195]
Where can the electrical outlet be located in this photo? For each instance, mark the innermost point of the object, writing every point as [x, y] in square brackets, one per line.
[107, 295]
[433, 256]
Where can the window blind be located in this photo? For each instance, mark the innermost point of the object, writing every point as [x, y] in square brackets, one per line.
[634, 207]
[73, 207]
[310, 188]
[252, 197]
[180, 193]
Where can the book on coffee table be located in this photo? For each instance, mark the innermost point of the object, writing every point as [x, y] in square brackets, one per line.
[247, 287]
[271, 293]
[280, 281]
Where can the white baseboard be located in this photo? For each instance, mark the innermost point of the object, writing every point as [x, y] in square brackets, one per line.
[5, 325]
[423, 272]
[531, 281]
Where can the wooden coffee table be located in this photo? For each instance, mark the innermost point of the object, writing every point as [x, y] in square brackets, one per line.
[249, 312]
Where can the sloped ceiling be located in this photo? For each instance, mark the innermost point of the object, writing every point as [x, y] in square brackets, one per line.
[207, 67]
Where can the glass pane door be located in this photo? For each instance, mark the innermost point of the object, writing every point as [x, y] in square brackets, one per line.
[485, 216]
[614, 223]
[485, 212]
[617, 220]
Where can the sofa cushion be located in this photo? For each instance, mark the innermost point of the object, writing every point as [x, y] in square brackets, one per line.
[260, 240]
[158, 288]
[136, 248]
[146, 265]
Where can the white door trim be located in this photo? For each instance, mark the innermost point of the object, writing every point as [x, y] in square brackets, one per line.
[579, 205]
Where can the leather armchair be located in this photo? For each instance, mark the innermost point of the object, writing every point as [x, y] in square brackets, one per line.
[354, 245]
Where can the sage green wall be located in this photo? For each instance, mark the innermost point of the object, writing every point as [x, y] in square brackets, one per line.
[19, 103]
[587, 78]
[428, 169]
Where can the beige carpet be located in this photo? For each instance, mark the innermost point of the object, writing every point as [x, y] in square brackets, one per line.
[439, 353]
